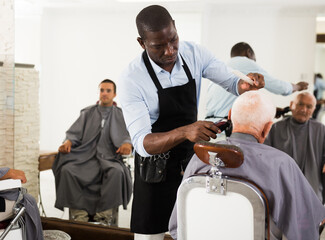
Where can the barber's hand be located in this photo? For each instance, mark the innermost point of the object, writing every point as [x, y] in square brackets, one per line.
[15, 174]
[124, 149]
[300, 86]
[258, 82]
[201, 130]
[65, 147]
[281, 111]
[323, 169]
[322, 223]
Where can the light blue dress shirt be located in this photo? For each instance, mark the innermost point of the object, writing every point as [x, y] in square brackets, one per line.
[320, 87]
[219, 101]
[138, 94]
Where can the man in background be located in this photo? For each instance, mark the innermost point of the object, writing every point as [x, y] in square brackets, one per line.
[90, 176]
[303, 139]
[319, 87]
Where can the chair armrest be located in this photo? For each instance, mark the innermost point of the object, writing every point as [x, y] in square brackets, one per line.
[10, 184]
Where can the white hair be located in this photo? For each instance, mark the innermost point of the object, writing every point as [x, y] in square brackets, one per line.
[306, 94]
[252, 108]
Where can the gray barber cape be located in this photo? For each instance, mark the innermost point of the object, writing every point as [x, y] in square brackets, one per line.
[92, 176]
[294, 206]
[34, 230]
[305, 143]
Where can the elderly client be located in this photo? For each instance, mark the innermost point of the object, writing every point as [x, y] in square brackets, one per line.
[294, 206]
[303, 139]
[90, 175]
[31, 216]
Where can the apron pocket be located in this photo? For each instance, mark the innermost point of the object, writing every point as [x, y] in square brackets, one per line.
[152, 169]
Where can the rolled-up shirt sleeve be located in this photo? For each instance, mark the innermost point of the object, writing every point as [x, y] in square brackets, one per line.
[272, 84]
[275, 85]
[136, 114]
[218, 72]
[3, 171]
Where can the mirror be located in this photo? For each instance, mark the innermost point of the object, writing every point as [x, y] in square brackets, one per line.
[76, 44]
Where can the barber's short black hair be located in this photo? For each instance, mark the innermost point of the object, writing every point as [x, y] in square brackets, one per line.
[152, 18]
[240, 49]
[109, 81]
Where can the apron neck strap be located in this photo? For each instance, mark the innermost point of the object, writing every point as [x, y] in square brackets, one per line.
[151, 71]
[187, 70]
[154, 76]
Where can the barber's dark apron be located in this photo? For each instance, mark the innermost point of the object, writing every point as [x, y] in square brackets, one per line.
[154, 202]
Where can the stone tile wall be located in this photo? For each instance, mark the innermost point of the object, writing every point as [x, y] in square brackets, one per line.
[27, 125]
[6, 82]
[19, 106]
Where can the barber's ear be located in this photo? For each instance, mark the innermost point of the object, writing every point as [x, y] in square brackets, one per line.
[140, 41]
[174, 24]
[249, 53]
[266, 130]
[229, 114]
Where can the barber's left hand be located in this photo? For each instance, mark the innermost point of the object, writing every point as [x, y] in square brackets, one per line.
[258, 82]
[124, 149]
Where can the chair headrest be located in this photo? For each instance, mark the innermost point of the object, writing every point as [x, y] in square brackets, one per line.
[231, 155]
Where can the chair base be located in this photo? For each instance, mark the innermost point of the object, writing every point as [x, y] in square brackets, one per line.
[14, 234]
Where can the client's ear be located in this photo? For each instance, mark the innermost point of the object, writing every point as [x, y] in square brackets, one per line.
[229, 114]
[291, 104]
[265, 132]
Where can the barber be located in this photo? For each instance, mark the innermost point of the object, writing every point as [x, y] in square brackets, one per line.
[159, 98]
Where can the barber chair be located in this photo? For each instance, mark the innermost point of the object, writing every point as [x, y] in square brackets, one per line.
[45, 162]
[215, 206]
[14, 228]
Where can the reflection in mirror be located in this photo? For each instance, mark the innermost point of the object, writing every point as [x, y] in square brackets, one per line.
[319, 63]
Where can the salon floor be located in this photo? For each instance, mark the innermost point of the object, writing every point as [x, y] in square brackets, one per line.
[48, 199]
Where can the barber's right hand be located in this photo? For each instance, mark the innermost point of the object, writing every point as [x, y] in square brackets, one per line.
[15, 174]
[299, 86]
[65, 147]
[201, 130]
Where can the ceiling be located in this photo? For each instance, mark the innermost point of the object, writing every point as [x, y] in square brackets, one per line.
[36, 6]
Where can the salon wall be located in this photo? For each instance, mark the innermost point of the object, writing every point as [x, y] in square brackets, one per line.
[79, 47]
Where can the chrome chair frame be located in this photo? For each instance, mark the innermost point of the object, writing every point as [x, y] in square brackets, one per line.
[217, 186]
[18, 210]
[230, 185]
